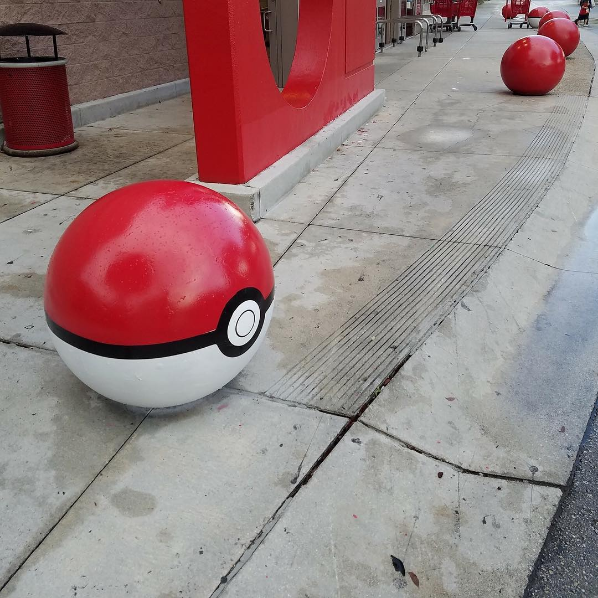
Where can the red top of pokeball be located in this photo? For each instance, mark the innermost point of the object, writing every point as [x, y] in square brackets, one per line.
[154, 263]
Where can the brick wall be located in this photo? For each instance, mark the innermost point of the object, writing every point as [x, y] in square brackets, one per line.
[113, 46]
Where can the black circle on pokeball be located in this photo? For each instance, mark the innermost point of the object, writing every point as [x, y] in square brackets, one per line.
[222, 340]
[247, 311]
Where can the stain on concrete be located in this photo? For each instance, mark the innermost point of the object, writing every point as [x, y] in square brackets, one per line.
[25, 285]
[165, 536]
[9, 210]
[436, 137]
[132, 503]
[76, 409]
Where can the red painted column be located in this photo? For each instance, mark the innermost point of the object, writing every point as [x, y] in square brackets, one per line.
[243, 123]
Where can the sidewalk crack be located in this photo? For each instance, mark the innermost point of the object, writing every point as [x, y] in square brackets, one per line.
[550, 265]
[9, 343]
[459, 468]
[271, 523]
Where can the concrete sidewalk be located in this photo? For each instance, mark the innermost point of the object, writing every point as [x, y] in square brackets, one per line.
[412, 419]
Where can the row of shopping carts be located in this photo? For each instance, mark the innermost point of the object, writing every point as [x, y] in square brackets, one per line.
[452, 11]
[445, 15]
[515, 12]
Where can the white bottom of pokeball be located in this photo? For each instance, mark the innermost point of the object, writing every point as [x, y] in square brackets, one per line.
[159, 382]
[534, 22]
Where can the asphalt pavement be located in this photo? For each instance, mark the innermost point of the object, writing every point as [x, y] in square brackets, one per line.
[568, 563]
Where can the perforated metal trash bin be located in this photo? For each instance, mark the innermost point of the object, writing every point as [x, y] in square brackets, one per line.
[34, 98]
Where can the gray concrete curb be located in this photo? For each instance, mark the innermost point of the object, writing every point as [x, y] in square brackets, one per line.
[591, 42]
[90, 112]
[259, 195]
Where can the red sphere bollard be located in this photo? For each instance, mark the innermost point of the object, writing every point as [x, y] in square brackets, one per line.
[159, 293]
[554, 14]
[535, 15]
[564, 32]
[507, 13]
[533, 65]
[539, 11]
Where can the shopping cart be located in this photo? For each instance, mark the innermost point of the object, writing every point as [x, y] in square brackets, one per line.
[467, 8]
[447, 9]
[519, 10]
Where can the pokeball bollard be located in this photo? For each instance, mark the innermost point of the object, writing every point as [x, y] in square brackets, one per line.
[533, 65]
[564, 32]
[535, 15]
[553, 14]
[159, 293]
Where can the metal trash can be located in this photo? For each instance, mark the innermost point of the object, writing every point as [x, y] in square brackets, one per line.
[34, 98]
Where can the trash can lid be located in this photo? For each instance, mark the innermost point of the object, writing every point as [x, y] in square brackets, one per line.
[33, 29]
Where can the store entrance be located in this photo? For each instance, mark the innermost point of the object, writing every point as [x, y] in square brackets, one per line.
[279, 24]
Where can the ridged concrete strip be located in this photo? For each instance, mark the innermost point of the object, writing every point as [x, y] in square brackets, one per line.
[341, 373]
[495, 218]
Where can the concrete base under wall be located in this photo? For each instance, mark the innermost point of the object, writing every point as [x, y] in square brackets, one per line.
[264, 191]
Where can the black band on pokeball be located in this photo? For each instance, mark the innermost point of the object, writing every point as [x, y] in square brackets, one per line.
[217, 337]
[222, 340]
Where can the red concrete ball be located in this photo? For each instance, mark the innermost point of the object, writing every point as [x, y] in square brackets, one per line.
[537, 13]
[507, 13]
[554, 14]
[159, 293]
[533, 65]
[564, 32]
